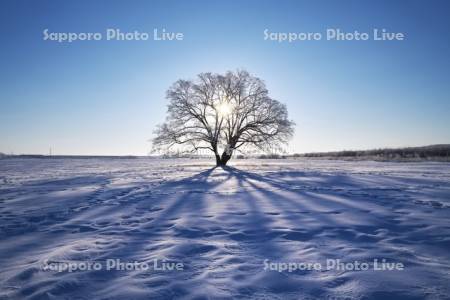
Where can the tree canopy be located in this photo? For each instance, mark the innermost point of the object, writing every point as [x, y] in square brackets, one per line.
[223, 113]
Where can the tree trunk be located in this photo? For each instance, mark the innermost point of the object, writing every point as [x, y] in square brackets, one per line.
[224, 159]
[218, 160]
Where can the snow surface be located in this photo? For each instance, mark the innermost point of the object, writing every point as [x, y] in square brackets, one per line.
[222, 224]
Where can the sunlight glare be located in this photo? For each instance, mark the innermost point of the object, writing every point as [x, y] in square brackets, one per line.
[224, 109]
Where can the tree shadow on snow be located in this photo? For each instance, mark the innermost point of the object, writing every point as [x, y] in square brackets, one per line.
[222, 218]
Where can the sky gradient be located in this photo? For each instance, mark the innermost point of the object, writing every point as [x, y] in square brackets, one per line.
[106, 97]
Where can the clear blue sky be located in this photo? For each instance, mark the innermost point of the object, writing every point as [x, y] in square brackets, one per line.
[105, 97]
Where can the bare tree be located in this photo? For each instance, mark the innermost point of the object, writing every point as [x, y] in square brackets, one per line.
[223, 113]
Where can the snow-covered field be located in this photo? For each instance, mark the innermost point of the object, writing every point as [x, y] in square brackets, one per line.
[230, 232]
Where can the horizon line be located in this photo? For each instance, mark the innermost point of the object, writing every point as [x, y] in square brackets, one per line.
[205, 155]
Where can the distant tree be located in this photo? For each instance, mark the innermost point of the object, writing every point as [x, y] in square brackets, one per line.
[223, 113]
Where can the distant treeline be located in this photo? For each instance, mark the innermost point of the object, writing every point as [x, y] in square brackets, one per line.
[433, 152]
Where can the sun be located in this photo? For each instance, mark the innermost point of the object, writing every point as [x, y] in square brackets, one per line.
[224, 109]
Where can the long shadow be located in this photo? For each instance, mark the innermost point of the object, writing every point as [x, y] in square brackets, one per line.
[169, 201]
[308, 207]
[252, 229]
[255, 234]
[280, 202]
